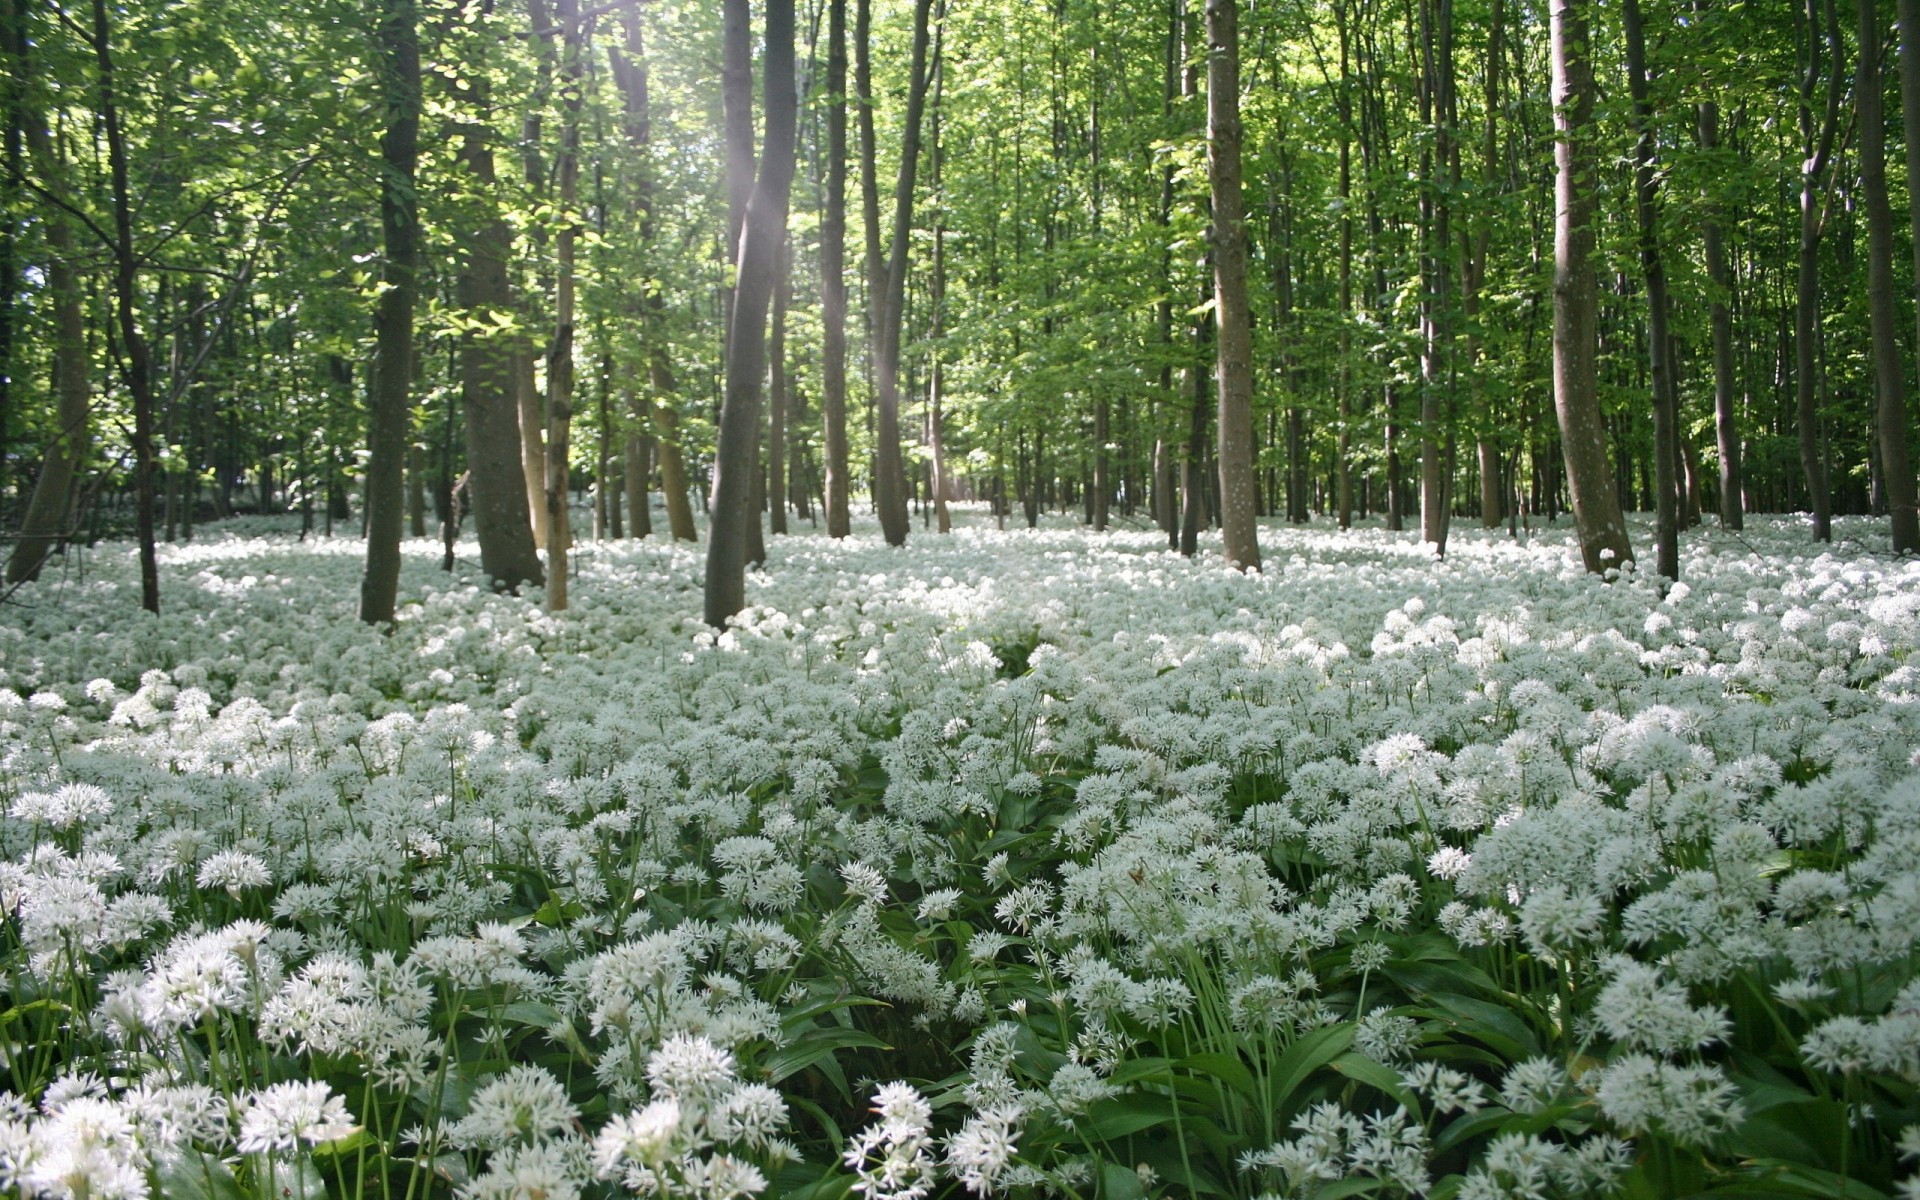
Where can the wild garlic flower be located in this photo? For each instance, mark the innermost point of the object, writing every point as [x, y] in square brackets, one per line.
[281, 1117]
[893, 1157]
[980, 1152]
[525, 1104]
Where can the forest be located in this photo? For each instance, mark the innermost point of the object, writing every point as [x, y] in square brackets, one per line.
[938, 598]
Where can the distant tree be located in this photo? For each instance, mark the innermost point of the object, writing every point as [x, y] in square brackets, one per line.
[390, 419]
[1576, 394]
[1233, 317]
[756, 265]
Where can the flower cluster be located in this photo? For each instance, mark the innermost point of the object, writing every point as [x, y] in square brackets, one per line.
[1138, 875]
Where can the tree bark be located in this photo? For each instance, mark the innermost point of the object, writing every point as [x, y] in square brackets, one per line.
[890, 480]
[126, 266]
[1646, 187]
[1726, 418]
[1822, 24]
[775, 490]
[1436, 19]
[1889, 380]
[833, 278]
[560, 349]
[390, 419]
[43, 528]
[1583, 439]
[762, 231]
[1909, 18]
[1239, 531]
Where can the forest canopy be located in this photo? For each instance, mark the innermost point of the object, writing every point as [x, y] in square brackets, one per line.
[404, 262]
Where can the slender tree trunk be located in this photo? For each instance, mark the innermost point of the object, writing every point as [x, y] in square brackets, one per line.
[126, 265]
[762, 231]
[638, 461]
[674, 488]
[43, 528]
[890, 481]
[936, 369]
[1436, 19]
[1646, 189]
[1239, 531]
[13, 120]
[1726, 418]
[630, 73]
[1576, 396]
[391, 403]
[1889, 379]
[1166, 470]
[833, 278]
[776, 493]
[1823, 26]
[560, 349]
[531, 411]
[1909, 17]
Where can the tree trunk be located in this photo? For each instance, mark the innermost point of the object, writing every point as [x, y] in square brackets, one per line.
[1239, 531]
[1889, 382]
[1436, 20]
[531, 411]
[496, 479]
[757, 260]
[638, 461]
[139, 364]
[833, 278]
[560, 349]
[1646, 189]
[43, 528]
[1909, 18]
[936, 370]
[391, 404]
[1726, 419]
[1576, 396]
[1822, 24]
[776, 493]
[890, 481]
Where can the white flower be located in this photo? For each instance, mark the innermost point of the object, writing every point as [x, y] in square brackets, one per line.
[691, 1069]
[526, 1104]
[286, 1114]
[86, 1149]
[983, 1148]
[893, 1157]
[234, 870]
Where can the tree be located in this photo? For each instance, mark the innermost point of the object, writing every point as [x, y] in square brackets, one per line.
[1817, 141]
[1889, 372]
[756, 265]
[1646, 204]
[138, 369]
[43, 528]
[390, 416]
[833, 276]
[496, 482]
[560, 349]
[1233, 318]
[889, 474]
[1576, 397]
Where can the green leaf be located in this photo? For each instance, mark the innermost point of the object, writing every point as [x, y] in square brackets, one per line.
[1361, 1069]
[1469, 1125]
[1109, 1120]
[1492, 1024]
[1227, 1068]
[1312, 1052]
[1120, 1183]
[196, 1175]
[817, 1043]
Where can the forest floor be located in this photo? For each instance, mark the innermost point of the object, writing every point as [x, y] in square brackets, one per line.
[1089, 869]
